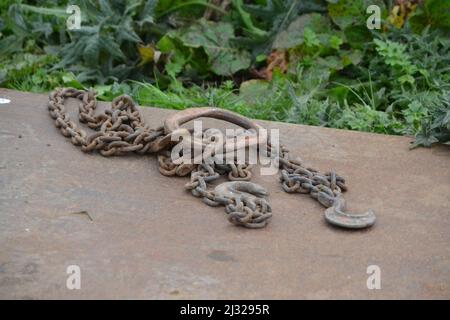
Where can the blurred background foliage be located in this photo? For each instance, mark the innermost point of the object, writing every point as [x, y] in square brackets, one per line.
[311, 62]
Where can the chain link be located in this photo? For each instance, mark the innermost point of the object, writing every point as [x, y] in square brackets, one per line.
[120, 130]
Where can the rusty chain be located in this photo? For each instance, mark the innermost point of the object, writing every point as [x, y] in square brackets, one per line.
[121, 130]
[326, 188]
[244, 201]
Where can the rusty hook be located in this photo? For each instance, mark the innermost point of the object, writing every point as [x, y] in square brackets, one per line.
[337, 216]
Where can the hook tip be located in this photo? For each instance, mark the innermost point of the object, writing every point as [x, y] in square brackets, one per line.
[350, 221]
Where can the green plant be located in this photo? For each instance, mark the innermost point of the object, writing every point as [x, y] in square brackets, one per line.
[104, 49]
[436, 127]
[204, 40]
[23, 29]
[312, 62]
[395, 56]
[413, 116]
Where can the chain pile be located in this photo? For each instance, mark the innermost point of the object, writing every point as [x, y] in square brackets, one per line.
[122, 130]
[244, 201]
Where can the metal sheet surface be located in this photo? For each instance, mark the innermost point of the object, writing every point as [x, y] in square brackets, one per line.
[146, 237]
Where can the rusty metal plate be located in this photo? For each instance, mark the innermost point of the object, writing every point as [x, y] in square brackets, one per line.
[137, 234]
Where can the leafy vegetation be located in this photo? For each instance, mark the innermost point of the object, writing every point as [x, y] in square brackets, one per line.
[313, 61]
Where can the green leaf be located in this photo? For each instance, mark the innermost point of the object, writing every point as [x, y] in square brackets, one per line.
[215, 39]
[92, 49]
[407, 79]
[9, 44]
[165, 44]
[59, 12]
[439, 11]
[335, 42]
[311, 39]
[175, 65]
[252, 90]
[246, 18]
[70, 80]
[357, 36]
[148, 12]
[351, 57]
[106, 8]
[424, 139]
[109, 45]
[294, 35]
[345, 13]
[435, 13]
[261, 58]
[126, 32]
[331, 62]
[102, 90]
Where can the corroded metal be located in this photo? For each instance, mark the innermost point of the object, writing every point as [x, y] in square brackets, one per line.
[249, 206]
[336, 216]
[172, 126]
[176, 120]
[121, 130]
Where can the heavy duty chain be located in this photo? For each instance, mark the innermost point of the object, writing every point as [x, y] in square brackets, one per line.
[122, 130]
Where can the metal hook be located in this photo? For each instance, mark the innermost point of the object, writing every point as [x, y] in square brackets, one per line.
[247, 189]
[335, 215]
